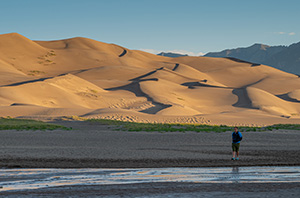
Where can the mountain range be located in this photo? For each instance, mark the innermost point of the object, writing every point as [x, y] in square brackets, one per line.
[286, 58]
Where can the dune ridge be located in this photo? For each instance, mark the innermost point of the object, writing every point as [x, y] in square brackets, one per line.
[93, 79]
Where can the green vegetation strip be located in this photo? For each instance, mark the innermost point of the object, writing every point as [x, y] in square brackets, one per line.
[134, 126]
[25, 124]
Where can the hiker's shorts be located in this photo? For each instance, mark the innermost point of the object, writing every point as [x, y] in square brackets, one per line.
[236, 147]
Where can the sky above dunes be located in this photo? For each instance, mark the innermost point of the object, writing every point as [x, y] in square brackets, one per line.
[185, 26]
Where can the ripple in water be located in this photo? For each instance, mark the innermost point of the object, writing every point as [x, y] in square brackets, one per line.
[24, 179]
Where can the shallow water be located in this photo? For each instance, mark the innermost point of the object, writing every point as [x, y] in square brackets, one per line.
[24, 179]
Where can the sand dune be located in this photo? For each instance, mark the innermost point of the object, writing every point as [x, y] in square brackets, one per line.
[88, 78]
[267, 102]
[295, 94]
[111, 76]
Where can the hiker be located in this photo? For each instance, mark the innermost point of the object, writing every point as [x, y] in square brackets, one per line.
[236, 140]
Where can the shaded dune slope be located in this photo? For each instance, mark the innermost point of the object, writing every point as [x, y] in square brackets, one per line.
[84, 77]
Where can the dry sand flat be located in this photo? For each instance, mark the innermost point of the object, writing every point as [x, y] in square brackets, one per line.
[84, 77]
[100, 146]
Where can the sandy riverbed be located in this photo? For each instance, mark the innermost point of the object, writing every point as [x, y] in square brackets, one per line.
[98, 146]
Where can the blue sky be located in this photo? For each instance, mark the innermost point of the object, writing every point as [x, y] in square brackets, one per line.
[187, 26]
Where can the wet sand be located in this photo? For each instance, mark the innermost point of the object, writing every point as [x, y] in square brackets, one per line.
[91, 145]
[183, 190]
[152, 182]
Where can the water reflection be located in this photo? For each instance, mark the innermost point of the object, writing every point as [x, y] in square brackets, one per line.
[22, 179]
[235, 174]
[235, 170]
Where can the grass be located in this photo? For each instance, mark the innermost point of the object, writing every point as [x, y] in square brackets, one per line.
[51, 53]
[26, 124]
[134, 126]
[45, 58]
[35, 72]
[286, 126]
[93, 91]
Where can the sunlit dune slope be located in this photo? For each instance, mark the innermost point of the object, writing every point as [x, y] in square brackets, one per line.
[85, 77]
[268, 102]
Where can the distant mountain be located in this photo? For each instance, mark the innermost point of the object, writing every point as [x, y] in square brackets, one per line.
[170, 54]
[255, 53]
[286, 58]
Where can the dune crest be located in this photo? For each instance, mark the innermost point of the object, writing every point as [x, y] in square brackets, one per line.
[88, 78]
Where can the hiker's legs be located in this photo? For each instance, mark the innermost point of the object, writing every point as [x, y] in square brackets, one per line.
[233, 150]
[237, 150]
